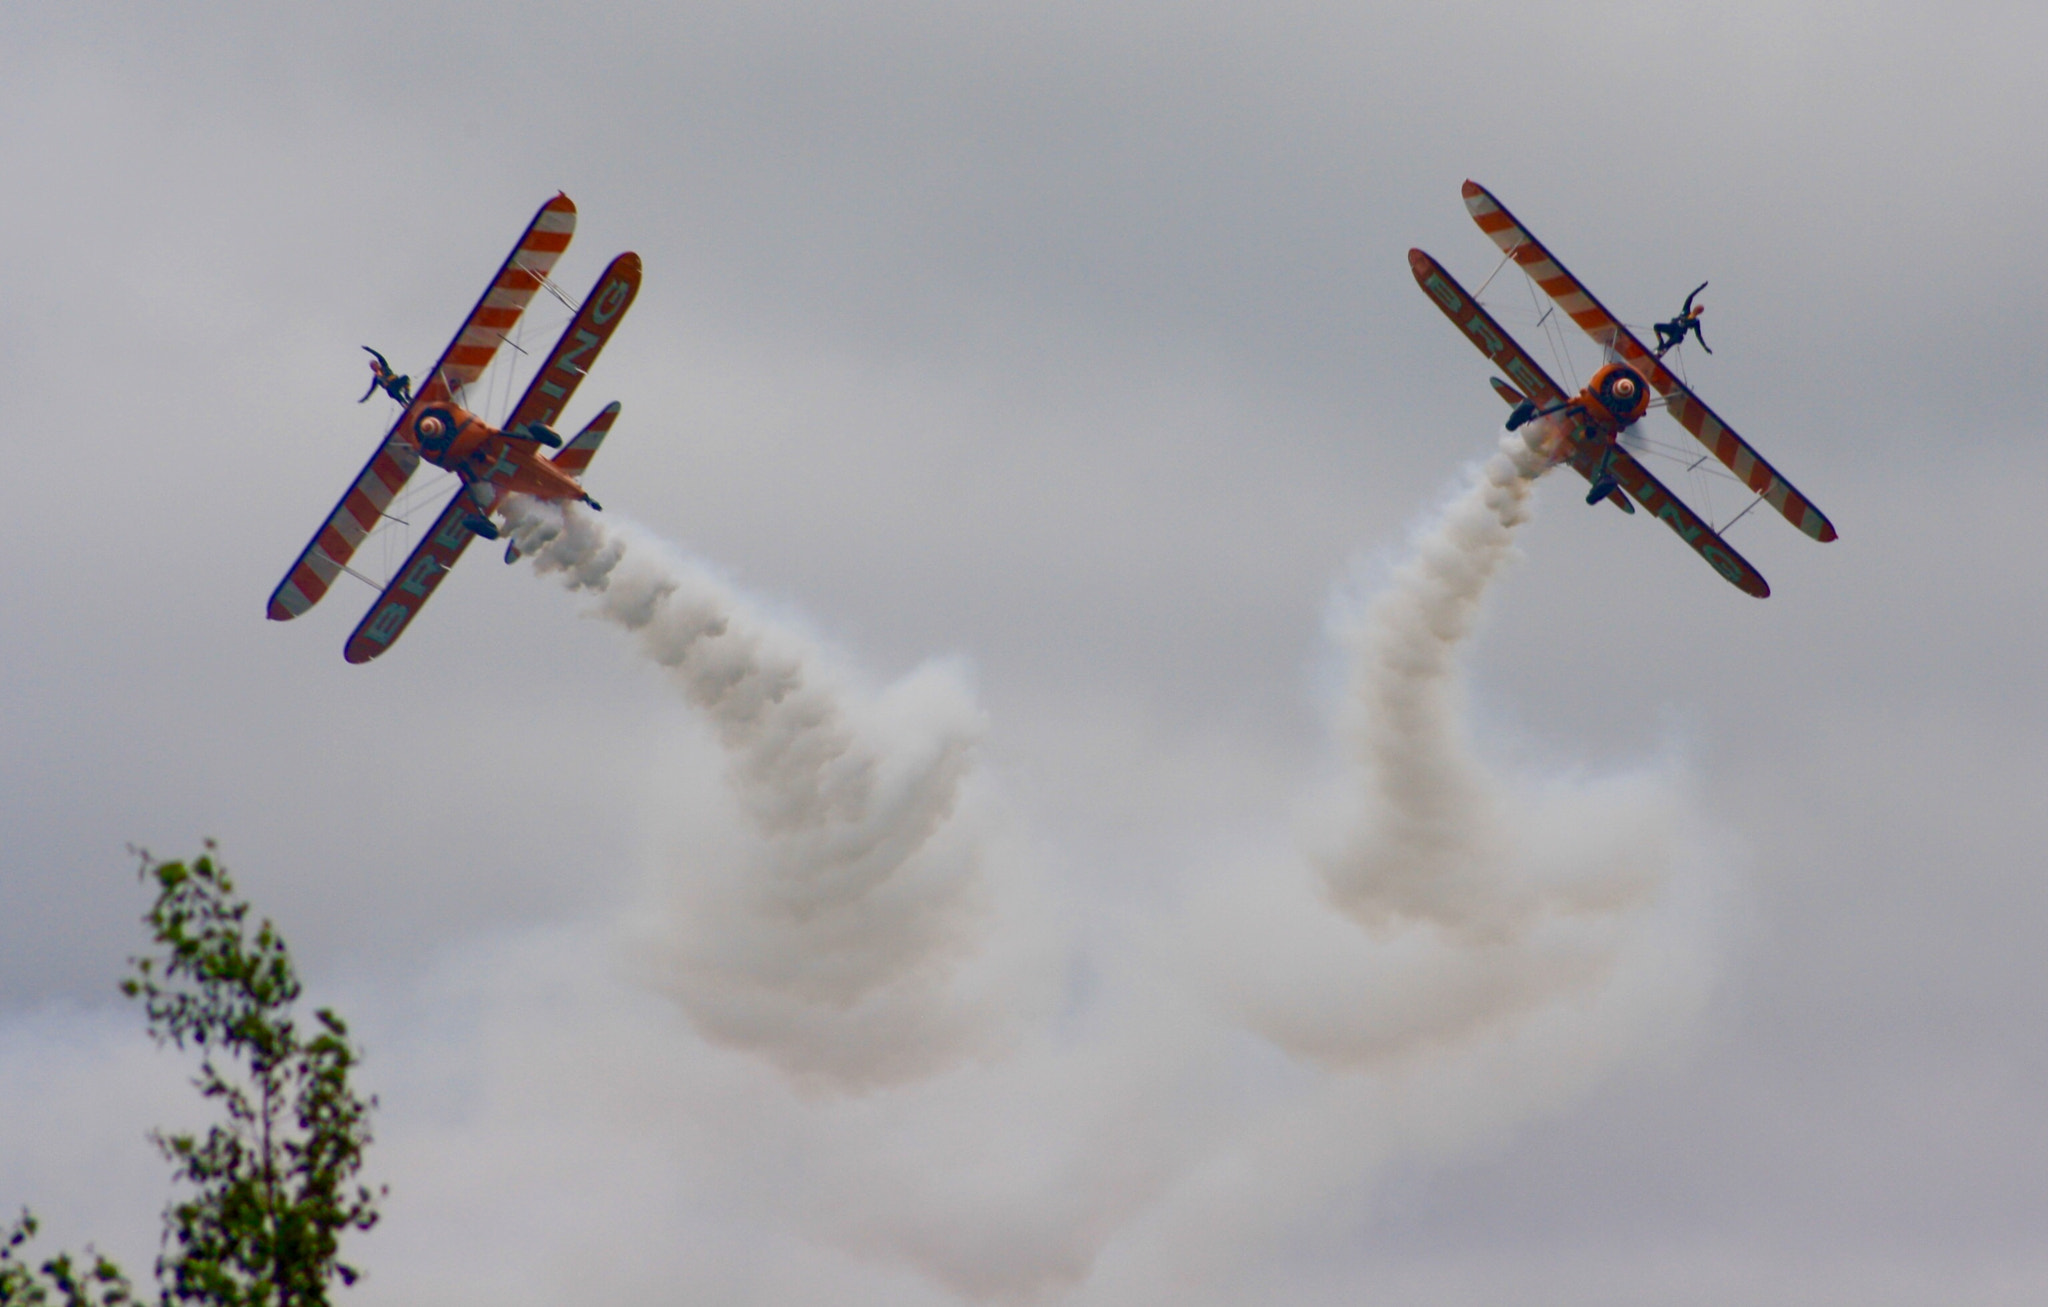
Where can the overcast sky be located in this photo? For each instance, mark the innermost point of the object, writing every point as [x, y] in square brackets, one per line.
[1047, 381]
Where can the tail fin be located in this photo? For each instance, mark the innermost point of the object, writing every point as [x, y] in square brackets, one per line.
[575, 456]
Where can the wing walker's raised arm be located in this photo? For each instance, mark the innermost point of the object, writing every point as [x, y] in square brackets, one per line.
[1594, 319]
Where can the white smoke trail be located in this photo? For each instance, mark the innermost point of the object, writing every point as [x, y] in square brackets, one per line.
[825, 932]
[1474, 899]
[1463, 950]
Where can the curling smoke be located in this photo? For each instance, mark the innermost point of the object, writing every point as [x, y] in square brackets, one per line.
[1482, 899]
[1461, 951]
[822, 927]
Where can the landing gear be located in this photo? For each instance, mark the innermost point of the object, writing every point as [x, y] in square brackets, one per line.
[1523, 412]
[1604, 483]
[481, 526]
[595, 507]
[535, 431]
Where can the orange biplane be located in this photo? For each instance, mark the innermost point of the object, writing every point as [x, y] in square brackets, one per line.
[1588, 426]
[491, 462]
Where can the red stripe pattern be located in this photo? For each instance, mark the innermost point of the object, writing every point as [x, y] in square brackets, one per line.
[1594, 319]
[497, 312]
[353, 518]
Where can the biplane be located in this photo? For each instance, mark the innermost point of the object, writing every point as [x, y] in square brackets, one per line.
[490, 462]
[1585, 429]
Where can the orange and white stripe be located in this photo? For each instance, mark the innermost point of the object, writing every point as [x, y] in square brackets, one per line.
[1594, 319]
[497, 312]
[352, 519]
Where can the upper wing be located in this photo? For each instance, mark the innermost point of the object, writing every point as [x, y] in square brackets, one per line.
[507, 296]
[548, 394]
[1745, 462]
[1577, 302]
[1593, 318]
[437, 551]
[1669, 509]
[365, 501]
[1486, 334]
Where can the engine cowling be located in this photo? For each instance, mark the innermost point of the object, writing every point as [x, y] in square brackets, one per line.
[1621, 394]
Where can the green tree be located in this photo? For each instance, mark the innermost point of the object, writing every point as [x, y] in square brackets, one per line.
[58, 1280]
[273, 1186]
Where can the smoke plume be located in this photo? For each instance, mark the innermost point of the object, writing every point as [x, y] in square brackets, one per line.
[821, 924]
[1472, 902]
[1450, 950]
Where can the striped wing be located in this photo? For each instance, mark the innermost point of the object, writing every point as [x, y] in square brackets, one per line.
[415, 582]
[507, 296]
[353, 518]
[1593, 318]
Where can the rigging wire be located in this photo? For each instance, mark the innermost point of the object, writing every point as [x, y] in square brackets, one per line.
[1495, 273]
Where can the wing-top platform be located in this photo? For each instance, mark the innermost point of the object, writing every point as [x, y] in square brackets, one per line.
[1607, 330]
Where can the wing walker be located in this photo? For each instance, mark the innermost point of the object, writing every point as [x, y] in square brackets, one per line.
[491, 462]
[1585, 429]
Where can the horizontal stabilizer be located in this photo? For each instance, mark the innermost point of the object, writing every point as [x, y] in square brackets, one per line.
[576, 455]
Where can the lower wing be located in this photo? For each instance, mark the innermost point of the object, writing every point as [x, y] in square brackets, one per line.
[1691, 528]
[415, 582]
